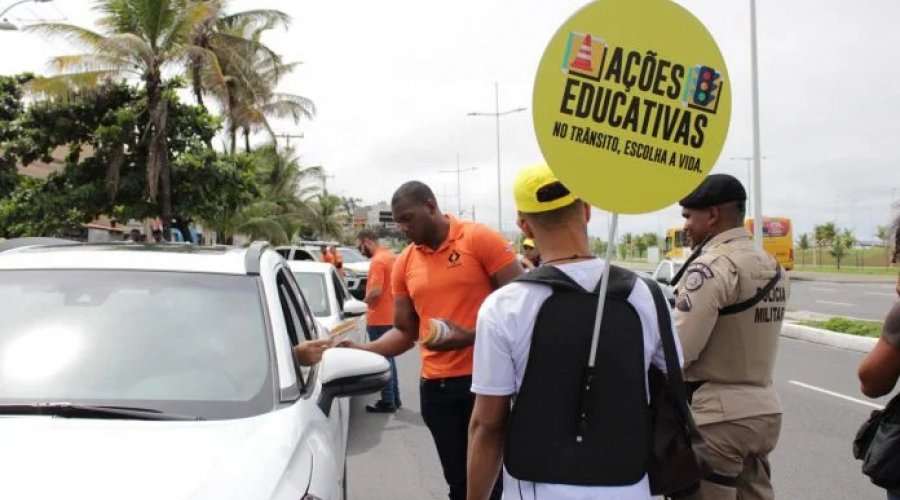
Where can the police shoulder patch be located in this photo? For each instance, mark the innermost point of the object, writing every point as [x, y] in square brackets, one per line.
[694, 281]
[704, 269]
[683, 303]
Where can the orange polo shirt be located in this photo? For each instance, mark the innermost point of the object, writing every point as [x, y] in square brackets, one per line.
[451, 283]
[381, 312]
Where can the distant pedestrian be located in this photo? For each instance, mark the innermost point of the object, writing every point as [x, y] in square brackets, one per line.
[439, 282]
[729, 311]
[380, 317]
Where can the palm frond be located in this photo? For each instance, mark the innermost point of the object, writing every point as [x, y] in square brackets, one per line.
[80, 36]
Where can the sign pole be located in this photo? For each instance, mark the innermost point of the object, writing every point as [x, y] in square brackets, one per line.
[604, 284]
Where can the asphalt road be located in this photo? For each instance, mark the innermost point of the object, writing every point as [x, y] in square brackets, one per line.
[393, 457]
[857, 300]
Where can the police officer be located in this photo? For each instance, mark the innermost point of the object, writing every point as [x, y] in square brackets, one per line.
[728, 313]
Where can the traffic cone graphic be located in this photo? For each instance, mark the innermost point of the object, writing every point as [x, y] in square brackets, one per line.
[583, 59]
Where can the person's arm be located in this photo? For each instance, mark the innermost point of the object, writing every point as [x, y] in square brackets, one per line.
[309, 352]
[377, 278]
[399, 339]
[704, 289]
[487, 435]
[880, 369]
[506, 274]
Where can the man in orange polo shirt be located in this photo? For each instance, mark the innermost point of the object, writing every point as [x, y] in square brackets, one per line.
[445, 274]
[381, 310]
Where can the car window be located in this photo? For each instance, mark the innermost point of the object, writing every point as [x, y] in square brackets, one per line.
[351, 255]
[313, 286]
[284, 252]
[301, 323]
[342, 294]
[187, 343]
[303, 255]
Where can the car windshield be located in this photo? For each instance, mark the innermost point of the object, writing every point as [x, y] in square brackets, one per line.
[351, 255]
[313, 287]
[185, 343]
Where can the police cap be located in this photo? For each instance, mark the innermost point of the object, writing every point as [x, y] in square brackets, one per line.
[716, 189]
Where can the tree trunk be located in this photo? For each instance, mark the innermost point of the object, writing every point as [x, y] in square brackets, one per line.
[246, 141]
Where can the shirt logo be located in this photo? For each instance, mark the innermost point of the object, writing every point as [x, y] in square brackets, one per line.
[453, 259]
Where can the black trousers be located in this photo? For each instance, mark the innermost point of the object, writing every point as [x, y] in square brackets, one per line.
[446, 408]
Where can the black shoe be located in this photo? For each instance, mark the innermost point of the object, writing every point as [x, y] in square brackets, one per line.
[381, 407]
[399, 404]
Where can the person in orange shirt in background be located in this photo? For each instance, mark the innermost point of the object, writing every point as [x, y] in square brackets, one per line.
[326, 255]
[439, 282]
[381, 310]
[337, 260]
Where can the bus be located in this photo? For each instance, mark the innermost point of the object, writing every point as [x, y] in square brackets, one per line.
[778, 241]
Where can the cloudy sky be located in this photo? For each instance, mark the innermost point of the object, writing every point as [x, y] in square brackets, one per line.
[393, 81]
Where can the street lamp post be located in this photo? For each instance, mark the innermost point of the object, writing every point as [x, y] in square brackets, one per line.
[497, 114]
[458, 171]
[8, 26]
[751, 186]
[757, 175]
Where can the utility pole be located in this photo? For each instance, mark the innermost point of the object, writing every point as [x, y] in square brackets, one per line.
[458, 172]
[751, 186]
[497, 114]
[757, 174]
[288, 138]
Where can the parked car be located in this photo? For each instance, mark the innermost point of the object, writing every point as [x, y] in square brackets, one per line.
[356, 271]
[329, 299]
[165, 371]
[356, 265]
[663, 275]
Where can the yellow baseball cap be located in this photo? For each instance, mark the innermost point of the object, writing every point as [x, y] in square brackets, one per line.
[537, 190]
[528, 242]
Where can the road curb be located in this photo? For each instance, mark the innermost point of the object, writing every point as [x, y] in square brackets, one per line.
[828, 338]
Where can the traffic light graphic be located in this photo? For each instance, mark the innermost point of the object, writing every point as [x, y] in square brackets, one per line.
[704, 88]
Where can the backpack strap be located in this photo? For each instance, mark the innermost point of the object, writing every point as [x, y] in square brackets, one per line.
[621, 281]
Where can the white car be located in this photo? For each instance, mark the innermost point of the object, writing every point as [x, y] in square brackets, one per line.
[329, 299]
[663, 275]
[356, 265]
[153, 372]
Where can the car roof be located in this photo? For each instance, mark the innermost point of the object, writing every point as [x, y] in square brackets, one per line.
[129, 256]
[308, 266]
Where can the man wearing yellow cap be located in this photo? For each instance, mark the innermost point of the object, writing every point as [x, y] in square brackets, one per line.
[531, 257]
[553, 439]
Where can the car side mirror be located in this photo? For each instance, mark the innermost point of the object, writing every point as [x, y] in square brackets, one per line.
[354, 308]
[350, 372]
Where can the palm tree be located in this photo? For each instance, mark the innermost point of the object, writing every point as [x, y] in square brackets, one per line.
[218, 35]
[326, 215]
[139, 39]
[285, 204]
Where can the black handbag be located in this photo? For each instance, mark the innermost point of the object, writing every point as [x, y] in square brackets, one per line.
[679, 458]
[877, 444]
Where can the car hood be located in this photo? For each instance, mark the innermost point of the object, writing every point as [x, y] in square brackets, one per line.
[359, 267]
[245, 459]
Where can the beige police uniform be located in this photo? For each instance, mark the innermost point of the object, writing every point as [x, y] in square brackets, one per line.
[732, 356]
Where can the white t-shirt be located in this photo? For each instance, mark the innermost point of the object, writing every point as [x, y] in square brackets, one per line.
[502, 342]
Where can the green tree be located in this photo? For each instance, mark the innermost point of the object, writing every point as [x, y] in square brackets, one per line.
[883, 233]
[284, 208]
[327, 211]
[11, 108]
[838, 250]
[142, 39]
[824, 235]
[205, 184]
[598, 246]
[803, 245]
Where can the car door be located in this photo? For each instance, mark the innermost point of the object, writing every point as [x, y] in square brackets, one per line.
[302, 326]
[342, 294]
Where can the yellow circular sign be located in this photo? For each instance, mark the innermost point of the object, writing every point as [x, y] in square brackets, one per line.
[632, 104]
